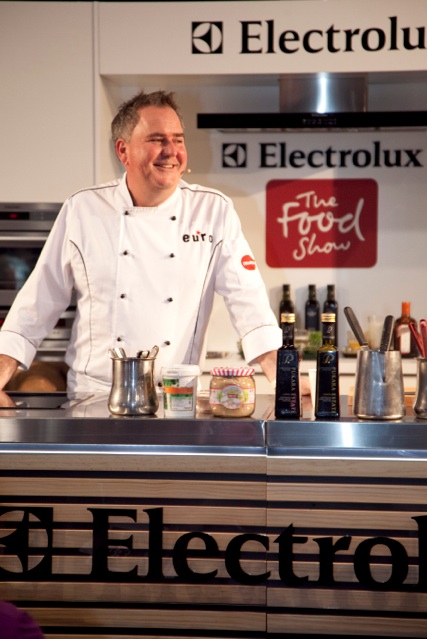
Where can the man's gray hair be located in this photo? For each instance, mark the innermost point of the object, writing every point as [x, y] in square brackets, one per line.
[127, 116]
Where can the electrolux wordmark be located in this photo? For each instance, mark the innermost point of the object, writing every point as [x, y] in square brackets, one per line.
[270, 155]
[267, 37]
[286, 544]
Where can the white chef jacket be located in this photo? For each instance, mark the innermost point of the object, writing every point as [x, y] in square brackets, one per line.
[143, 276]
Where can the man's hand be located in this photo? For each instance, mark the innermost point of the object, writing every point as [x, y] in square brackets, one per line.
[6, 401]
[8, 366]
[268, 362]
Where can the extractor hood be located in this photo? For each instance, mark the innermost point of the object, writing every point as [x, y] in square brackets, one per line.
[315, 103]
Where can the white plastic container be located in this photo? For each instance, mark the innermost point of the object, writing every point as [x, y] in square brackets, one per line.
[180, 390]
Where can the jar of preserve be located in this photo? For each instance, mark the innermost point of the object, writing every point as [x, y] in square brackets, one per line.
[232, 392]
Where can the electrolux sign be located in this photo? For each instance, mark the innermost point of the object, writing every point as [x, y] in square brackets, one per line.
[264, 37]
[275, 37]
[37, 563]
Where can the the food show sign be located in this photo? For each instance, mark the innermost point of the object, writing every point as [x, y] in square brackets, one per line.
[321, 223]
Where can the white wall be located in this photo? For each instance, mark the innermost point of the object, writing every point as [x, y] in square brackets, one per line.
[46, 100]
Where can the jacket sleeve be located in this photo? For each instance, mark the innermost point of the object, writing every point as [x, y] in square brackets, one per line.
[240, 283]
[44, 296]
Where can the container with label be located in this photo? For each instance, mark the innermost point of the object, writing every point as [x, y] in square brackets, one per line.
[232, 392]
[180, 390]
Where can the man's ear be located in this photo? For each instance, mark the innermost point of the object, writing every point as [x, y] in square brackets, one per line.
[121, 150]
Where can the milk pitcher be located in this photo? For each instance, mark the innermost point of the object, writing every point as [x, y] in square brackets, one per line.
[133, 391]
[379, 390]
[420, 403]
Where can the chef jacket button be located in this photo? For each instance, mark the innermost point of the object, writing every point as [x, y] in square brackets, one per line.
[170, 299]
[173, 217]
[159, 384]
[172, 255]
[125, 252]
[123, 295]
[126, 213]
[119, 339]
[167, 343]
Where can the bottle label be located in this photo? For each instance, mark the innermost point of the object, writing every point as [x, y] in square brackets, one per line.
[232, 396]
[327, 385]
[287, 403]
[177, 396]
[404, 335]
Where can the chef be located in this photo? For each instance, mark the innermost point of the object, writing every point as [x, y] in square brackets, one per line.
[145, 254]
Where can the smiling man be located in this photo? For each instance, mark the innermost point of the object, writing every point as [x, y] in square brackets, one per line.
[145, 255]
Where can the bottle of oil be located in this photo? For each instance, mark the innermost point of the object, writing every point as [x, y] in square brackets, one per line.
[327, 405]
[312, 310]
[288, 400]
[286, 304]
[331, 306]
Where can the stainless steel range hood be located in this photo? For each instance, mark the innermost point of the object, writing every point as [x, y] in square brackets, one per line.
[315, 103]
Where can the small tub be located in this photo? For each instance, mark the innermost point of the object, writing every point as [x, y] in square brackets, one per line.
[180, 390]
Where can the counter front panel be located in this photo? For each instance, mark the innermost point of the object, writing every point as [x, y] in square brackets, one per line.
[246, 528]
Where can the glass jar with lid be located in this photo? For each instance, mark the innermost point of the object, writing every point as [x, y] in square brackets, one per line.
[232, 392]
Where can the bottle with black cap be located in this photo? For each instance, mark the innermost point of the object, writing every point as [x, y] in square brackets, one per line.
[331, 306]
[312, 310]
[286, 304]
[287, 400]
[327, 404]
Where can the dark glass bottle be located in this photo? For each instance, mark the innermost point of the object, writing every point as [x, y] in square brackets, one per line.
[331, 306]
[312, 310]
[288, 400]
[327, 404]
[286, 304]
[403, 339]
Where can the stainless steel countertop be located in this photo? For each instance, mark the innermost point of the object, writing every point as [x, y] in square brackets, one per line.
[85, 425]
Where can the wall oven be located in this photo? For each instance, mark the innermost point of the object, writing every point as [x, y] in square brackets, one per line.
[24, 228]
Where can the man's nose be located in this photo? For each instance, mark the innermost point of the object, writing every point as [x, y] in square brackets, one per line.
[169, 147]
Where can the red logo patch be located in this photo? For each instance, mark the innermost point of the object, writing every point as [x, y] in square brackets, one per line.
[322, 223]
[248, 262]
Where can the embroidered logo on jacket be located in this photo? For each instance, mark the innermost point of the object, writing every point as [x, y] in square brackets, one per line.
[198, 236]
[248, 262]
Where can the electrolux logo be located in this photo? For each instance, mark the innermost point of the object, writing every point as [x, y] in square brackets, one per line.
[207, 37]
[234, 155]
[258, 37]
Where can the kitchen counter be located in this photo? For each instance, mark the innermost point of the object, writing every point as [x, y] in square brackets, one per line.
[251, 527]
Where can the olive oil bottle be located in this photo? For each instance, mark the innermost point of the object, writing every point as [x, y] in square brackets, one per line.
[327, 404]
[287, 400]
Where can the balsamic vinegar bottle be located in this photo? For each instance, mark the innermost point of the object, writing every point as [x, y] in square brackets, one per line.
[286, 304]
[327, 405]
[312, 310]
[287, 401]
[331, 306]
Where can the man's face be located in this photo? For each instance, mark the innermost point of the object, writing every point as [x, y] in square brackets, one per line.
[155, 157]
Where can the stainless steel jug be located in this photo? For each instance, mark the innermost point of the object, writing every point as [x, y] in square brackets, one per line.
[133, 391]
[379, 390]
[420, 402]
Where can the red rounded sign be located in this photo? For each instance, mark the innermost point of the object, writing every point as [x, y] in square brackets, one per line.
[248, 262]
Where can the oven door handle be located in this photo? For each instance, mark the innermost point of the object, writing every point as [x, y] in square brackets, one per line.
[13, 239]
